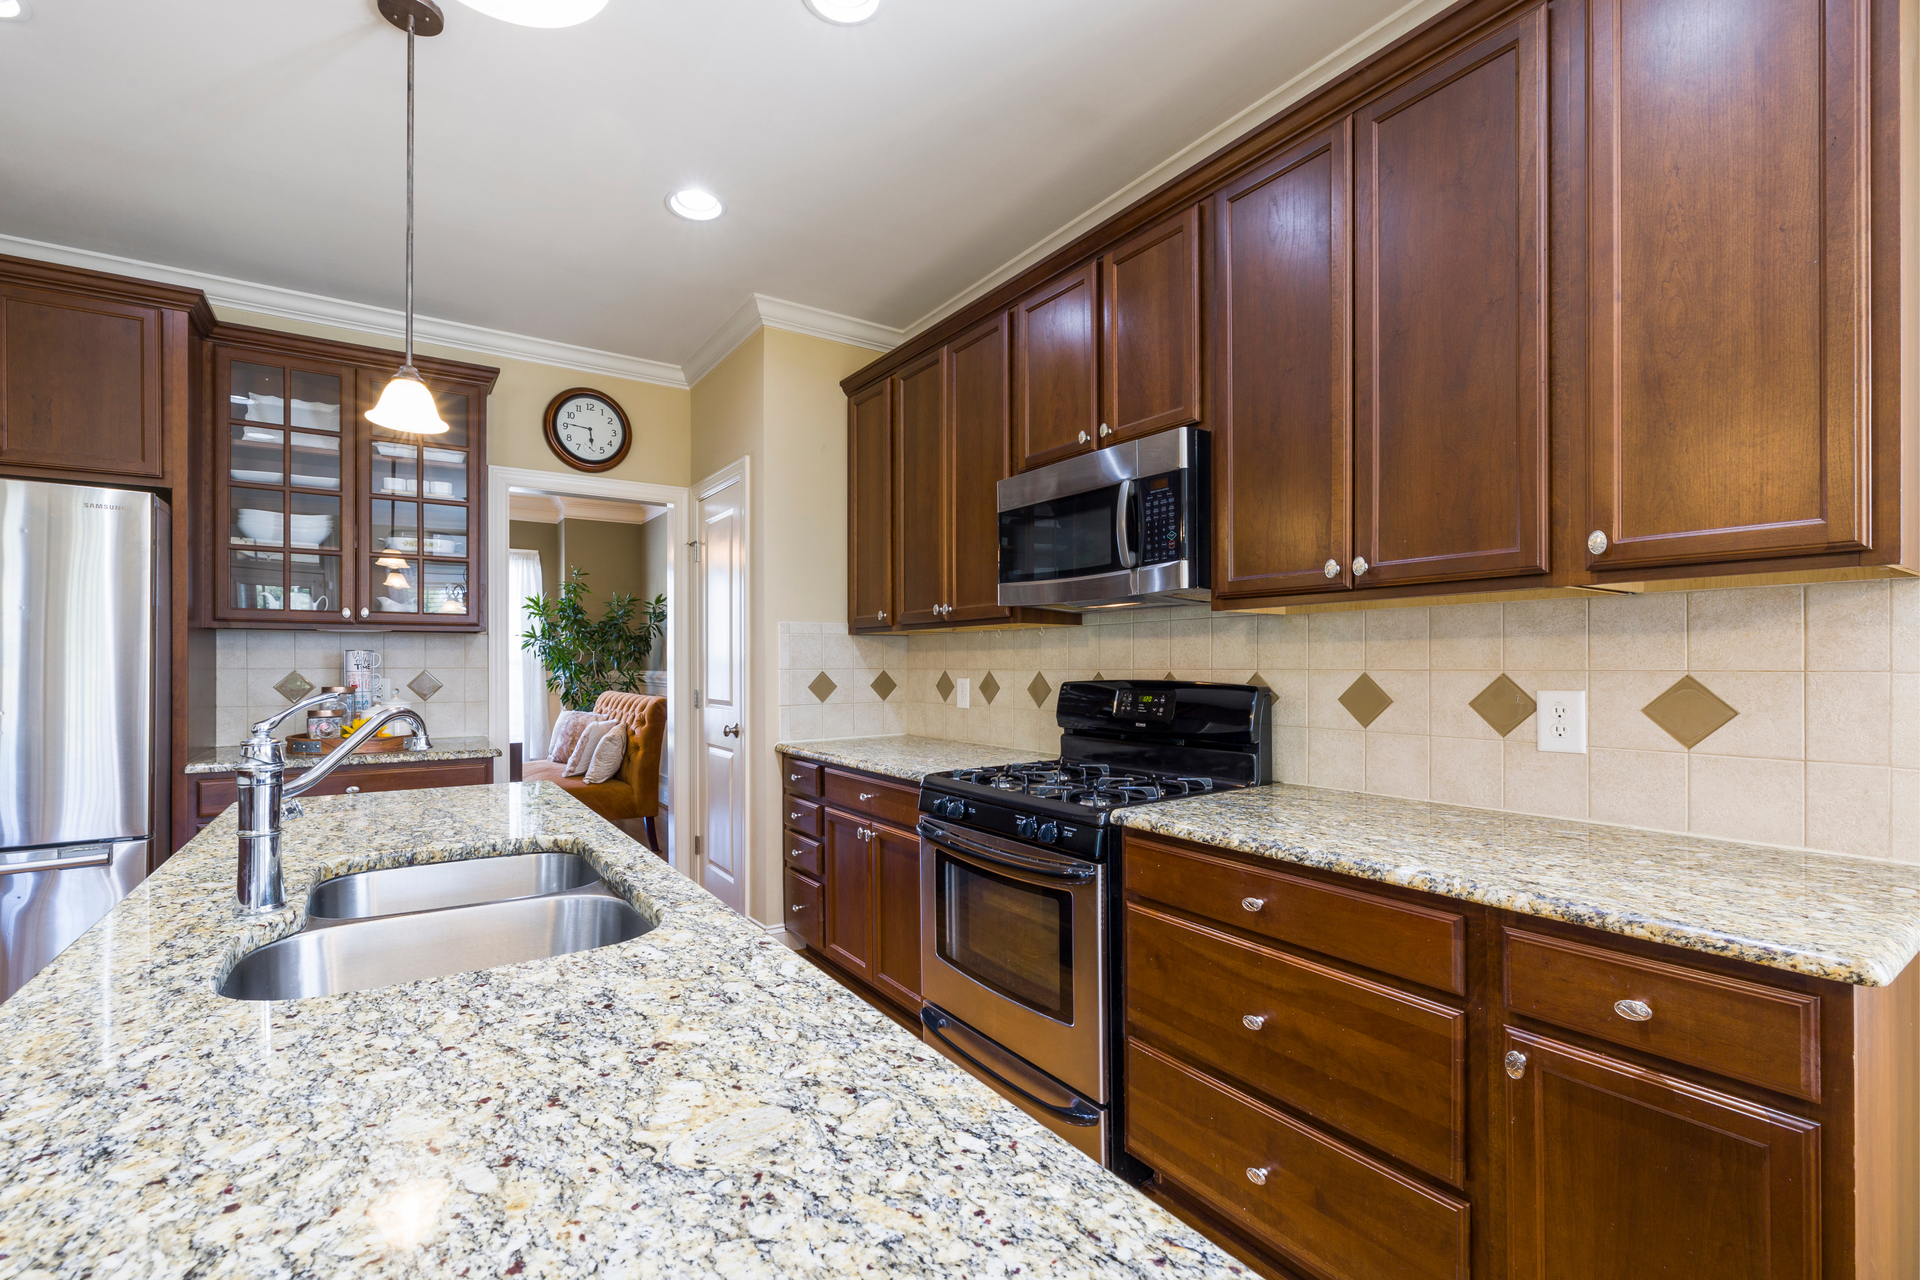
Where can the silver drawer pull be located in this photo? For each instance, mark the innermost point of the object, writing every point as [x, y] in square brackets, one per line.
[1516, 1063]
[793, 777]
[1253, 904]
[1258, 1177]
[868, 795]
[1253, 1021]
[1633, 1010]
[353, 791]
[798, 907]
[793, 817]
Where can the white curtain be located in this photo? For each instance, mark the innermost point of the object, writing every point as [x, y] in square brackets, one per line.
[526, 679]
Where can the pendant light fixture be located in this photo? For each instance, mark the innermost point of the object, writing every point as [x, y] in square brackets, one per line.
[406, 404]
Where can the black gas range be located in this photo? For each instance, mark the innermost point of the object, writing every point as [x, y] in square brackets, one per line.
[1018, 887]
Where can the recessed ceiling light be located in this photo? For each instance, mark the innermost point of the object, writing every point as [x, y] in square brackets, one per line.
[14, 11]
[845, 13]
[537, 13]
[698, 205]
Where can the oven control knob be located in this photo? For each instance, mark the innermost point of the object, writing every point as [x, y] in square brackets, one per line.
[956, 809]
[1049, 832]
[1025, 827]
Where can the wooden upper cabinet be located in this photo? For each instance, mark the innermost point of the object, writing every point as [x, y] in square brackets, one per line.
[80, 383]
[1728, 367]
[921, 483]
[1616, 1172]
[977, 405]
[1056, 393]
[870, 507]
[1282, 406]
[1150, 341]
[1451, 317]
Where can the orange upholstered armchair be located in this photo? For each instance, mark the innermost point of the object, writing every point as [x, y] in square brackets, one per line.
[634, 792]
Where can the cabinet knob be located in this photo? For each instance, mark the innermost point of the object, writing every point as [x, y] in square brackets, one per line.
[867, 795]
[1633, 1010]
[1253, 904]
[363, 611]
[1331, 568]
[1083, 437]
[1597, 543]
[1258, 1177]
[353, 791]
[1105, 431]
[1359, 566]
[1253, 1021]
[881, 616]
[797, 907]
[793, 817]
[1516, 1063]
[793, 777]
[347, 614]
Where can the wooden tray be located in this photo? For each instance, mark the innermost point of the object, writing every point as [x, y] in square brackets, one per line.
[300, 744]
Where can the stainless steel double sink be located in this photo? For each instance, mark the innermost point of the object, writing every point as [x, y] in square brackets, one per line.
[403, 924]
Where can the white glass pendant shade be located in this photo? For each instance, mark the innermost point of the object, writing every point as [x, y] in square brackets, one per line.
[398, 579]
[14, 11]
[407, 405]
[696, 205]
[845, 13]
[539, 13]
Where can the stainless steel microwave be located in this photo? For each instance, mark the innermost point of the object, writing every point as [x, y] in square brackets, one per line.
[1124, 525]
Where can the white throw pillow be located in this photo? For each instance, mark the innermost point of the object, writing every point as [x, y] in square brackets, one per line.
[608, 755]
[566, 732]
[583, 749]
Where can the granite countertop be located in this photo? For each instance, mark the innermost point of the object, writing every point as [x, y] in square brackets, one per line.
[1850, 919]
[905, 755]
[228, 759]
[697, 1101]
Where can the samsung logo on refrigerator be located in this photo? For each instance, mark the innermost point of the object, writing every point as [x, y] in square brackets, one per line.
[102, 506]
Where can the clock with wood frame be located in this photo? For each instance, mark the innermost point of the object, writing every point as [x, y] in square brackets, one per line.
[587, 430]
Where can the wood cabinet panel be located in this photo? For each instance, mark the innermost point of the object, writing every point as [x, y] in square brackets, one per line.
[804, 904]
[806, 855]
[213, 792]
[1737, 1029]
[1283, 407]
[1056, 392]
[1417, 943]
[849, 894]
[865, 794]
[802, 776]
[80, 383]
[1451, 317]
[1618, 1173]
[1384, 1066]
[921, 483]
[896, 904]
[870, 508]
[1150, 352]
[1729, 346]
[1339, 1213]
[979, 439]
[803, 815]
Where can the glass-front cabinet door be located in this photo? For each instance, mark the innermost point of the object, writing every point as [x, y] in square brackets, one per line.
[279, 489]
[421, 549]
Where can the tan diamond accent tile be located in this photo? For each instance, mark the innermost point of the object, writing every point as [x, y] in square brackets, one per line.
[944, 686]
[884, 685]
[1504, 705]
[989, 688]
[426, 684]
[1689, 712]
[822, 687]
[293, 686]
[1365, 700]
[1258, 681]
[1039, 690]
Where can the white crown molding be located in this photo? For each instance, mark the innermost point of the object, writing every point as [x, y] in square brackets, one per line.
[759, 311]
[1320, 74]
[313, 308]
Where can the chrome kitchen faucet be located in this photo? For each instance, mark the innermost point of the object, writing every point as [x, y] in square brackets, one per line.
[266, 798]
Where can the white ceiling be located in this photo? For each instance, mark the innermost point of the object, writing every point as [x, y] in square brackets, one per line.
[879, 171]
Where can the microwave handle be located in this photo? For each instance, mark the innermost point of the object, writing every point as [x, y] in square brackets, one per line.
[1129, 558]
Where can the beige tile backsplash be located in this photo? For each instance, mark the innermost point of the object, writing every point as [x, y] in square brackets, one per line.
[250, 663]
[1825, 751]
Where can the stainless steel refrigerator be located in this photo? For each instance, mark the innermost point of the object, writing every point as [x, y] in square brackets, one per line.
[80, 592]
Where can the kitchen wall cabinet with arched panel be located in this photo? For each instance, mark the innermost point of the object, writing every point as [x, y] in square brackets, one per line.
[312, 516]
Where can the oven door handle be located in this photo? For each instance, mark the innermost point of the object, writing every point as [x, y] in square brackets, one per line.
[1075, 1113]
[1122, 508]
[1051, 868]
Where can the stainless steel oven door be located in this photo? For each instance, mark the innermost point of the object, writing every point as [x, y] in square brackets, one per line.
[1012, 944]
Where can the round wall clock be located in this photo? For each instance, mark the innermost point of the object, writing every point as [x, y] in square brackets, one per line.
[587, 430]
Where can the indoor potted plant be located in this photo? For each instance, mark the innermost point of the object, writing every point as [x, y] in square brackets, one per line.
[584, 658]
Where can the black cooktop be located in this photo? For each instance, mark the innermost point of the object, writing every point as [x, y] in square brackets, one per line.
[1092, 786]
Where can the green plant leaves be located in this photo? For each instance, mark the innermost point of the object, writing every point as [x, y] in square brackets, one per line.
[585, 658]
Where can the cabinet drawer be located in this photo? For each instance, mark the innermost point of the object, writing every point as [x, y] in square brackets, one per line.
[1416, 943]
[800, 777]
[213, 795]
[1338, 1212]
[805, 855]
[1733, 1028]
[804, 909]
[802, 816]
[886, 801]
[1384, 1066]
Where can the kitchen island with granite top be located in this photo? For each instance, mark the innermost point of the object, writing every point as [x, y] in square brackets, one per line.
[698, 1100]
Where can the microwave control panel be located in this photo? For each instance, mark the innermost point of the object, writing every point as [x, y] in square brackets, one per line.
[1160, 522]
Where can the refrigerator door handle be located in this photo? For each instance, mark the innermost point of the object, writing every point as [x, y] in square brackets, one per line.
[98, 855]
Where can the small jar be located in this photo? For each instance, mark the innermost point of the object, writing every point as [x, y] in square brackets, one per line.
[326, 719]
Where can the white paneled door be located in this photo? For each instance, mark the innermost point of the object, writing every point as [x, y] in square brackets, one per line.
[722, 691]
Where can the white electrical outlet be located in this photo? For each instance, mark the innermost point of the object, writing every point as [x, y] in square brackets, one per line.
[1561, 718]
[963, 692]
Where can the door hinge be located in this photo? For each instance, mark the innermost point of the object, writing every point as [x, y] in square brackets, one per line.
[695, 544]
[696, 846]
[696, 699]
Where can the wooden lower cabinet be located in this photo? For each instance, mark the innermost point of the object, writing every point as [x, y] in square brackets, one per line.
[896, 913]
[806, 909]
[1559, 1104]
[1621, 1173]
[213, 792]
[849, 888]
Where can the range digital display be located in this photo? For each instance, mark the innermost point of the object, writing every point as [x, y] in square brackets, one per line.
[1141, 704]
